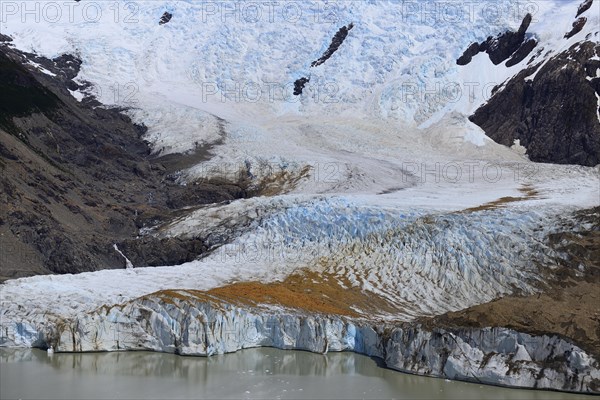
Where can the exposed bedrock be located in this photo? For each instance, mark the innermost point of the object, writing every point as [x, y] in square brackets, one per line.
[150, 251]
[552, 109]
[76, 178]
[522, 52]
[577, 27]
[166, 17]
[583, 7]
[501, 47]
[468, 55]
[336, 42]
[299, 85]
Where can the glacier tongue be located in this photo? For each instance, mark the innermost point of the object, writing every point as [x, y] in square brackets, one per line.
[188, 324]
[456, 260]
[425, 263]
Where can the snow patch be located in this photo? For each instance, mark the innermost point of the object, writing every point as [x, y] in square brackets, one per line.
[518, 148]
[40, 68]
[77, 95]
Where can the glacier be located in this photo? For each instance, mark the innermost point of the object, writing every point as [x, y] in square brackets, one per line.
[383, 176]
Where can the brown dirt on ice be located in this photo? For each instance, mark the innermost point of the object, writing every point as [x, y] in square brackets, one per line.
[308, 291]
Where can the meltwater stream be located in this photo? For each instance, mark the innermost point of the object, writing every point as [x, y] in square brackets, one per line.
[254, 373]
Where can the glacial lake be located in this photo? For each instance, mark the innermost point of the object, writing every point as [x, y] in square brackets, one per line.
[253, 373]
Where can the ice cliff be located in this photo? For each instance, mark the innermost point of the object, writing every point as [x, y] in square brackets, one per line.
[183, 323]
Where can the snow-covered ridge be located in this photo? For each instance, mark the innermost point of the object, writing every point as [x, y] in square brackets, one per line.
[390, 92]
[231, 60]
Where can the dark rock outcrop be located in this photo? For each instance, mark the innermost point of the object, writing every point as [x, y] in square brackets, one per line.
[468, 55]
[336, 42]
[150, 251]
[299, 85]
[521, 53]
[577, 27]
[5, 38]
[539, 53]
[166, 17]
[555, 116]
[205, 193]
[583, 7]
[502, 47]
[67, 64]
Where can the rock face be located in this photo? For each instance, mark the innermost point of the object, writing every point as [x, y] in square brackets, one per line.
[503, 46]
[577, 27]
[76, 178]
[522, 52]
[190, 324]
[583, 7]
[150, 251]
[299, 85]
[552, 109]
[468, 55]
[336, 42]
[166, 17]
[555, 115]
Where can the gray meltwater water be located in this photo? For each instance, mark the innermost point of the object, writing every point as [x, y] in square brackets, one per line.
[253, 373]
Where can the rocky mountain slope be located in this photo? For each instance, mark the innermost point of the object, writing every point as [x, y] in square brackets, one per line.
[78, 178]
[551, 107]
